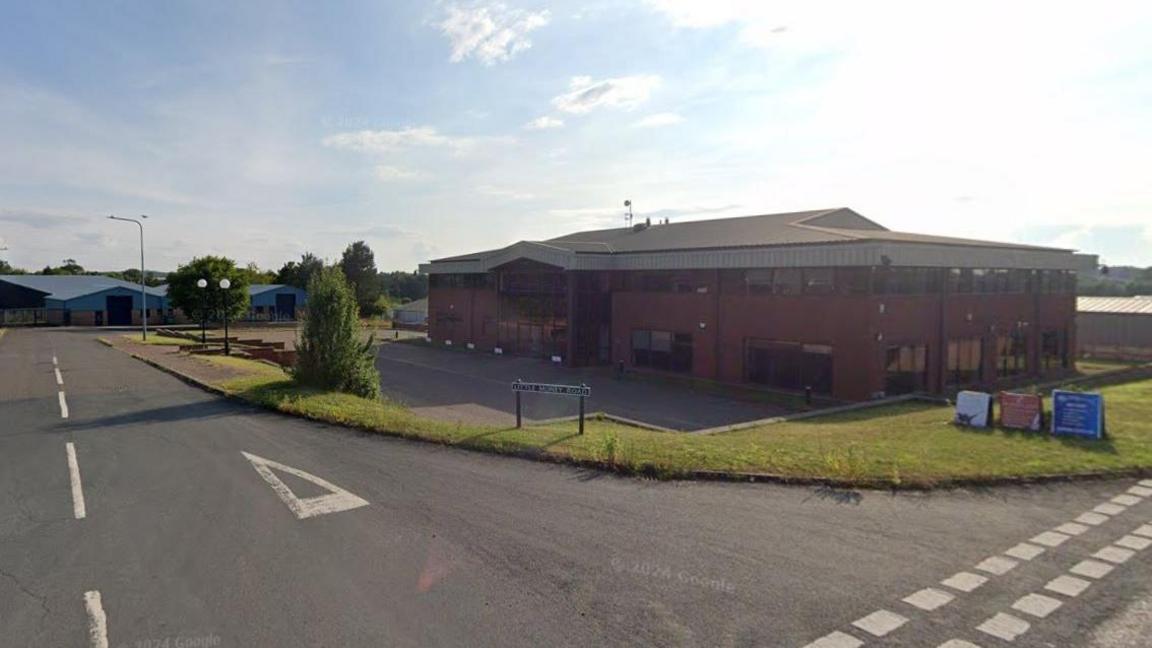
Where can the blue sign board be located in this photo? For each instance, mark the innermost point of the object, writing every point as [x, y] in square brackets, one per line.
[1077, 414]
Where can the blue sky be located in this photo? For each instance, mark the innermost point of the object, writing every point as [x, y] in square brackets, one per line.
[261, 130]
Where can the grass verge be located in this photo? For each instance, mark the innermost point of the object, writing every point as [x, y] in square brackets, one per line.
[910, 445]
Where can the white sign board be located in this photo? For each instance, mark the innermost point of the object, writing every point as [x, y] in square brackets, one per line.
[973, 409]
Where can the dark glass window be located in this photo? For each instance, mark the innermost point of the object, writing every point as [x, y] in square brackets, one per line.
[662, 350]
[817, 281]
[906, 369]
[790, 365]
[759, 282]
[787, 281]
[965, 359]
[1011, 355]
[853, 281]
[1054, 350]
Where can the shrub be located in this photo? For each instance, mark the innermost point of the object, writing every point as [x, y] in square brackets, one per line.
[330, 353]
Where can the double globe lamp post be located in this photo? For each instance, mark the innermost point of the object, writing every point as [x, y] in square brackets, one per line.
[225, 284]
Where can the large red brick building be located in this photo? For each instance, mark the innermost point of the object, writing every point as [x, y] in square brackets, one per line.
[827, 299]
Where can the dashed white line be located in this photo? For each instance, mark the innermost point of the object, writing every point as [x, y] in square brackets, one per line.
[1147, 483]
[59, 378]
[78, 508]
[929, 599]
[97, 621]
[1091, 569]
[1114, 554]
[1067, 585]
[1004, 626]
[1050, 539]
[1037, 605]
[55, 362]
[836, 640]
[1110, 509]
[1072, 528]
[1093, 518]
[958, 643]
[1126, 500]
[1025, 551]
[997, 565]
[1140, 491]
[63, 405]
[1134, 542]
[1144, 530]
[964, 581]
[880, 622]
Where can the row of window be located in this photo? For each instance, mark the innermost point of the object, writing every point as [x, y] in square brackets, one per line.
[662, 350]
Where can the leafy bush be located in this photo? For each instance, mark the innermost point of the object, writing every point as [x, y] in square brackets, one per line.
[330, 353]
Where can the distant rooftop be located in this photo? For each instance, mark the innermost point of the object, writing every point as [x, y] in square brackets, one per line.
[65, 287]
[1141, 305]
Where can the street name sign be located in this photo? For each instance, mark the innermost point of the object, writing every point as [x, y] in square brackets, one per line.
[545, 388]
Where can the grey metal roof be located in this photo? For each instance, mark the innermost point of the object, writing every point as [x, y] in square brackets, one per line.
[817, 227]
[256, 289]
[1131, 305]
[65, 287]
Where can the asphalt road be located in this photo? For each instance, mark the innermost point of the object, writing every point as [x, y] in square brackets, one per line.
[183, 541]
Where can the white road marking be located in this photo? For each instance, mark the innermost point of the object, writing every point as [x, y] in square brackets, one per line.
[880, 622]
[836, 640]
[1092, 569]
[59, 378]
[1134, 542]
[964, 581]
[998, 565]
[1004, 626]
[55, 363]
[1050, 539]
[78, 508]
[1144, 530]
[1037, 605]
[1140, 491]
[97, 621]
[929, 599]
[1126, 500]
[63, 405]
[958, 643]
[1067, 585]
[1093, 518]
[1147, 483]
[337, 500]
[1110, 509]
[1025, 551]
[1114, 554]
[1072, 528]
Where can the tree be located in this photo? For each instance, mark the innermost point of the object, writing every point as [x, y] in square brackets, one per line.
[298, 274]
[359, 266]
[257, 276]
[405, 286]
[208, 302]
[330, 353]
[6, 268]
[70, 267]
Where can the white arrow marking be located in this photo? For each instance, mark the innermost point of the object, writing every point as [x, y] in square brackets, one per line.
[337, 500]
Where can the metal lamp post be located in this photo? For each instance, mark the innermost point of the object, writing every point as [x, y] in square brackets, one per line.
[202, 284]
[143, 293]
[225, 285]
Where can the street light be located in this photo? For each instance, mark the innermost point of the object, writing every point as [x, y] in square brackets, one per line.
[143, 294]
[202, 284]
[225, 285]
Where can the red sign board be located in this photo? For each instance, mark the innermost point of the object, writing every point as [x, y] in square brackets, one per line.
[1021, 411]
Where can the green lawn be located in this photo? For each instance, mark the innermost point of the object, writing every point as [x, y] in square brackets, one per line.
[909, 444]
[161, 340]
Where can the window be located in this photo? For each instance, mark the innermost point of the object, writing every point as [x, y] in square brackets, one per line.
[1053, 350]
[965, 359]
[662, 350]
[790, 365]
[853, 281]
[817, 281]
[960, 280]
[656, 282]
[759, 282]
[1011, 355]
[906, 369]
[787, 281]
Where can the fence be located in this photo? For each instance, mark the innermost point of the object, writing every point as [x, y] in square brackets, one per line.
[23, 316]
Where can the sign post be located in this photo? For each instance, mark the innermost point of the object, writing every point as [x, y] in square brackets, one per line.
[581, 391]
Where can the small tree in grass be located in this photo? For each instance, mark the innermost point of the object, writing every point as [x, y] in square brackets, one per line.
[330, 353]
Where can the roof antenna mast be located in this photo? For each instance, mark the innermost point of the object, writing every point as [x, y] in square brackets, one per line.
[628, 216]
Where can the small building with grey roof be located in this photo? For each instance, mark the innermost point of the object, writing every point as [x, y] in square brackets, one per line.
[1117, 328]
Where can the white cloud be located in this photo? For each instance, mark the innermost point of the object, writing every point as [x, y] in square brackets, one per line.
[585, 95]
[659, 119]
[388, 141]
[387, 173]
[544, 123]
[491, 33]
[508, 194]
